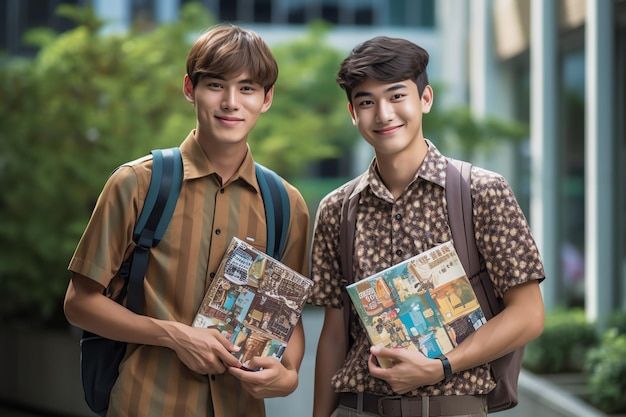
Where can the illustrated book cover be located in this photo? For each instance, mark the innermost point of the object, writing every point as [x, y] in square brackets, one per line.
[425, 303]
[255, 301]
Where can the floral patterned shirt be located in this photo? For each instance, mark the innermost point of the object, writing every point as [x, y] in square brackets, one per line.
[389, 231]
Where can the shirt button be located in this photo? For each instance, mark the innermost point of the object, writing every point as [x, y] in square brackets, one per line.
[218, 231]
[398, 216]
[398, 252]
[221, 191]
[212, 274]
[213, 377]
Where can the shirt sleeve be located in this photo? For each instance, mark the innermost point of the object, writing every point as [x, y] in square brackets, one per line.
[325, 265]
[502, 233]
[107, 239]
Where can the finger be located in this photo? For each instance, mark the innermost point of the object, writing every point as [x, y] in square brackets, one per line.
[215, 368]
[383, 352]
[224, 341]
[239, 373]
[227, 359]
[263, 362]
[375, 370]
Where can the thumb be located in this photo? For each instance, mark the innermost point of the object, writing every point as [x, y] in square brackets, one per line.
[261, 362]
[384, 352]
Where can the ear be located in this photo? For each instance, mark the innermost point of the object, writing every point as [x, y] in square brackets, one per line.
[352, 114]
[427, 99]
[188, 89]
[267, 102]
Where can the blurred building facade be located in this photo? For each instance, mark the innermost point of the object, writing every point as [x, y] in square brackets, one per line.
[559, 66]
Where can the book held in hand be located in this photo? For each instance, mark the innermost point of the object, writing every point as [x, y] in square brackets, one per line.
[425, 303]
[255, 301]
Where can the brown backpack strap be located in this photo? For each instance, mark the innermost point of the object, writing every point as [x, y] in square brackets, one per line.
[506, 369]
[346, 251]
[461, 221]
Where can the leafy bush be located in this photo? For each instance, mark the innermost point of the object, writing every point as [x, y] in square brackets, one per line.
[88, 102]
[566, 338]
[606, 365]
[617, 320]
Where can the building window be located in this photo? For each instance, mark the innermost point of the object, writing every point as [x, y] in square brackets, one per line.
[228, 10]
[405, 13]
[263, 11]
[419, 13]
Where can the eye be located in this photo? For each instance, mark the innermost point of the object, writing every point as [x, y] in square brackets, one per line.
[365, 103]
[397, 96]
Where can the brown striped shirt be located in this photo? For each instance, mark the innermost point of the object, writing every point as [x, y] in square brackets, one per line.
[390, 231]
[152, 381]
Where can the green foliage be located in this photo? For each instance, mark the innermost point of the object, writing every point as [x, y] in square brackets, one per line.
[617, 320]
[457, 128]
[89, 102]
[606, 365]
[82, 106]
[309, 107]
[566, 338]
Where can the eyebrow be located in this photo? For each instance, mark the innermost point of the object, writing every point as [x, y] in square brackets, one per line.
[222, 78]
[390, 89]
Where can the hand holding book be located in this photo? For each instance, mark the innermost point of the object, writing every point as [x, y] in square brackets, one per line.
[255, 301]
[425, 303]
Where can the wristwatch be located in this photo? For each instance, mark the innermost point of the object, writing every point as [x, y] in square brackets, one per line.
[447, 369]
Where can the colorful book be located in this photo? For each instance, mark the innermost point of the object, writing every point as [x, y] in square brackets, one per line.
[425, 303]
[255, 301]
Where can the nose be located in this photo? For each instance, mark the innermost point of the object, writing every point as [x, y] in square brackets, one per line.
[384, 112]
[229, 101]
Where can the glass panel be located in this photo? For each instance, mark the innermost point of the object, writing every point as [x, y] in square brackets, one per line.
[228, 10]
[572, 133]
[263, 11]
[620, 77]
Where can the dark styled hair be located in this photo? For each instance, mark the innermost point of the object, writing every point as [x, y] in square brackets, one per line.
[384, 59]
[230, 50]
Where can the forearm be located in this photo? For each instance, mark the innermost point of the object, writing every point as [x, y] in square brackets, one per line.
[519, 323]
[86, 308]
[330, 357]
[325, 398]
[292, 358]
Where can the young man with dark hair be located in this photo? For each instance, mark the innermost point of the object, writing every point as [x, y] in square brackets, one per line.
[171, 368]
[402, 212]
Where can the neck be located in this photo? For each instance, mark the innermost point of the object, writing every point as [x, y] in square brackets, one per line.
[398, 170]
[226, 158]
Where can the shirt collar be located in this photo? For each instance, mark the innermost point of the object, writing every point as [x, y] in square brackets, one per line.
[196, 164]
[432, 169]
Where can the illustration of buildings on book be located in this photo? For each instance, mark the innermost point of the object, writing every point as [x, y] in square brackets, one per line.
[255, 301]
[425, 303]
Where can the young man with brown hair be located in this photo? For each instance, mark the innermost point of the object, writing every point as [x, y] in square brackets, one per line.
[402, 212]
[171, 368]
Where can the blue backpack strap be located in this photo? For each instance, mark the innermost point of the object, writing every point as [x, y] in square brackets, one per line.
[165, 183]
[277, 209]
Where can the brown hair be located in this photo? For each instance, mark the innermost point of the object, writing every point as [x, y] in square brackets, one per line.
[230, 50]
[384, 59]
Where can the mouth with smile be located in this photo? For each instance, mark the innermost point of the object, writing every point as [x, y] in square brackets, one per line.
[389, 130]
[228, 120]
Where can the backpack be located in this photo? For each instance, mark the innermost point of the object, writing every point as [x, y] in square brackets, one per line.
[505, 369]
[101, 357]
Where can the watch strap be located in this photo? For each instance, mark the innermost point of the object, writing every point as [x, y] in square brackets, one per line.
[447, 369]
